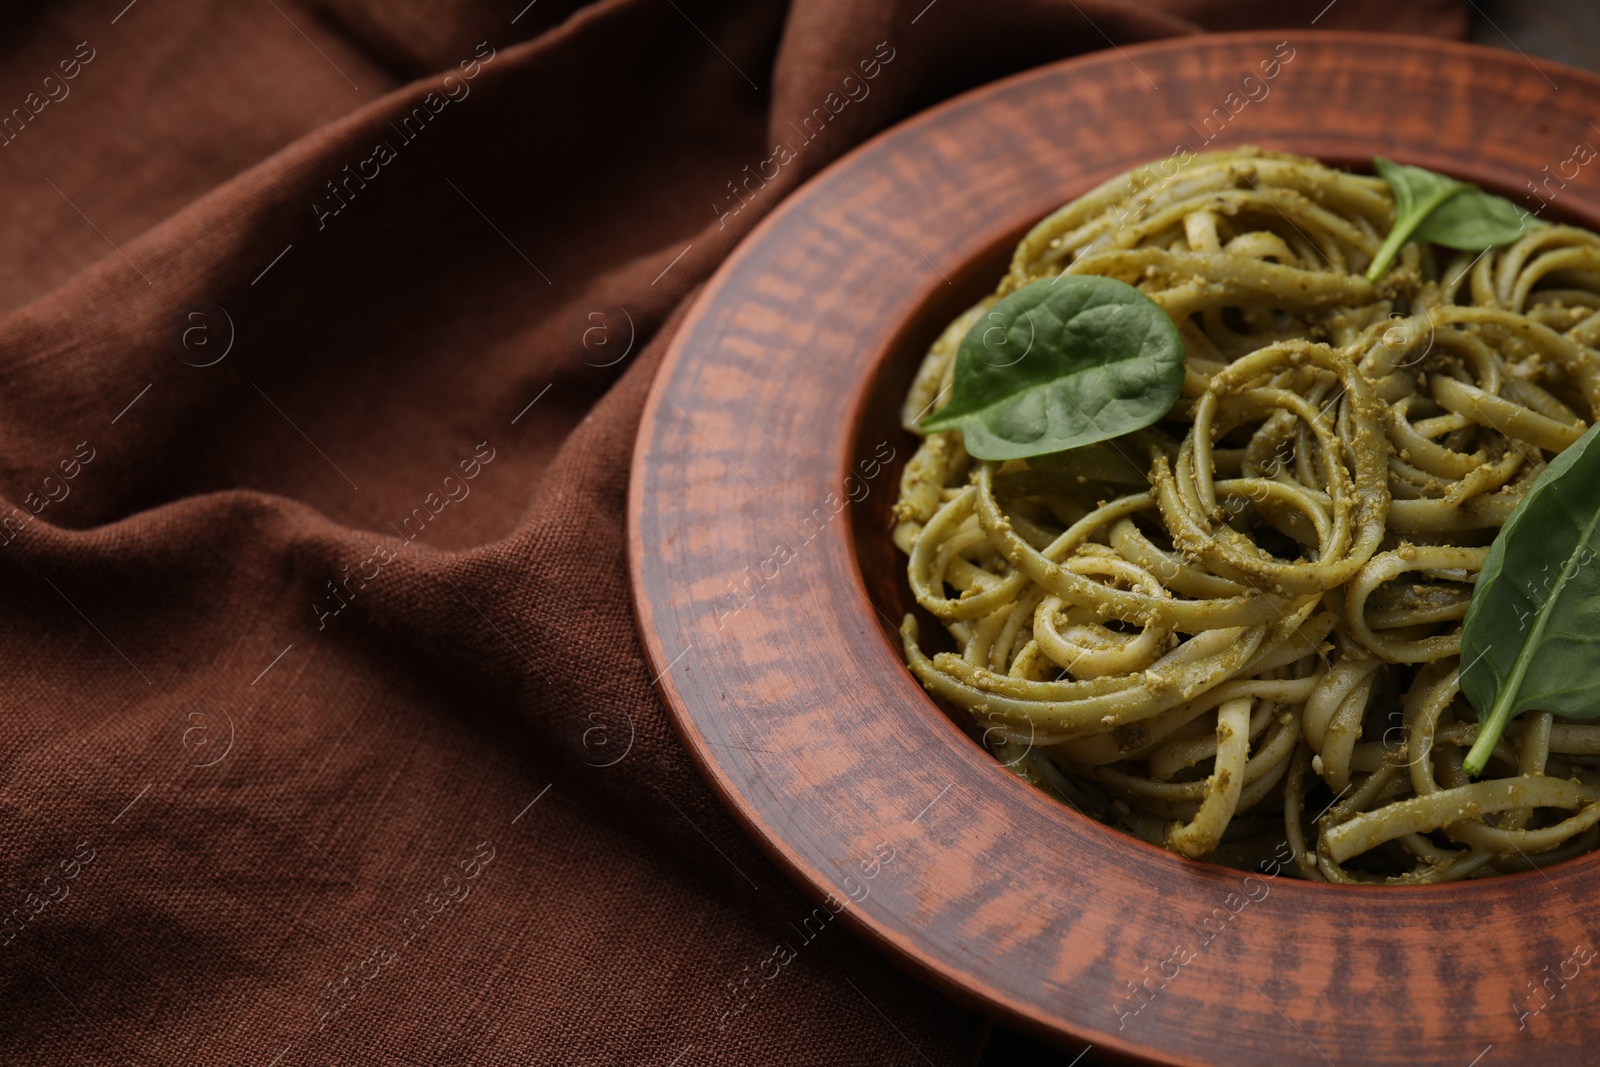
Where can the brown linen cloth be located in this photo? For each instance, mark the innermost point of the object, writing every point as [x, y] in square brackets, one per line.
[315, 423]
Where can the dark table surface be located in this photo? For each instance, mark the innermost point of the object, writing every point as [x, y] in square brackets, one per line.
[1563, 30]
[1567, 31]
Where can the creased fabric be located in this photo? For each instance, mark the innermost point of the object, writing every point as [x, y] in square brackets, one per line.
[326, 328]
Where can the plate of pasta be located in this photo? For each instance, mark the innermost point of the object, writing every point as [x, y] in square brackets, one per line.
[1168, 527]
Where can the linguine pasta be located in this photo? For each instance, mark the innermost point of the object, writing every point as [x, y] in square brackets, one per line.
[1243, 622]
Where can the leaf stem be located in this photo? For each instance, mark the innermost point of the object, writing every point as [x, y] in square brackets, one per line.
[1490, 730]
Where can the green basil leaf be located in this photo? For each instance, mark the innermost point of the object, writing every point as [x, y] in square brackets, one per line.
[1434, 207]
[1062, 362]
[1473, 220]
[1531, 639]
[1417, 191]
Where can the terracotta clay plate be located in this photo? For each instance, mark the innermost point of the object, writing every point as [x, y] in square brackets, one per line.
[768, 591]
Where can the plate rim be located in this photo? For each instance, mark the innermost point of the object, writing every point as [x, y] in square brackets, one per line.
[993, 1003]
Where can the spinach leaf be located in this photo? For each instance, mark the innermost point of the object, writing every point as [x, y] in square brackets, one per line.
[1531, 639]
[1437, 208]
[1473, 220]
[1417, 191]
[1059, 363]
